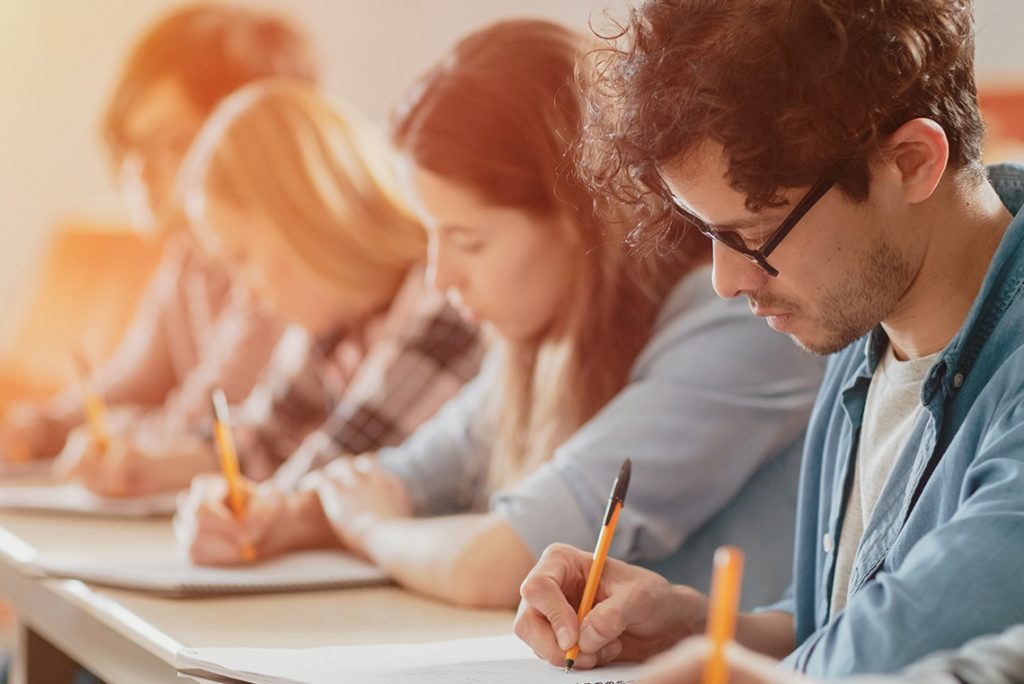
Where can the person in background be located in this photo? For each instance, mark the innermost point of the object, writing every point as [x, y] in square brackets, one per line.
[298, 196]
[832, 150]
[601, 355]
[194, 327]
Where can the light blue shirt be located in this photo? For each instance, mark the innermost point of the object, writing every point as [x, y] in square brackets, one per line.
[713, 417]
[941, 560]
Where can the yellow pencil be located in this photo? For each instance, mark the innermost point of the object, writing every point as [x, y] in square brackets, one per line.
[725, 601]
[604, 542]
[95, 407]
[229, 461]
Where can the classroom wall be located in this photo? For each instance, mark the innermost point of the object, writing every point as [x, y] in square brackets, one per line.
[59, 58]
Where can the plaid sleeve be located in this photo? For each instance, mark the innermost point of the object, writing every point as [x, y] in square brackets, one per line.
[423, 354]
[287, 406]
[403, 381]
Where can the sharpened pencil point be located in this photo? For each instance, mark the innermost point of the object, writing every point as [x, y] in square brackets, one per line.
[568, 665]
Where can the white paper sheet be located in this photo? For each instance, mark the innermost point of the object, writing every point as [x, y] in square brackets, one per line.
[492, 660]
[74, 498]
[304, 570]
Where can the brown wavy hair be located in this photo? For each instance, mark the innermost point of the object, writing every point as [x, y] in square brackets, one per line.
[792, 89]
[500, 114]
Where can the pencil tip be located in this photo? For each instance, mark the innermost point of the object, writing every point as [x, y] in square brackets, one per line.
[568, 665]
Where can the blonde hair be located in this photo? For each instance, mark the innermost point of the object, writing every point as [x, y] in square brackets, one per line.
[500, 114]
[321, 176]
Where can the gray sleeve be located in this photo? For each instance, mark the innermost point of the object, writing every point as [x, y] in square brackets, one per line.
[444, 463]
[987, 660]
[713, 396]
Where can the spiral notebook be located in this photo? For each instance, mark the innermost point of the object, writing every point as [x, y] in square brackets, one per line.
[301, 571]
[495, 660]
[74, 498]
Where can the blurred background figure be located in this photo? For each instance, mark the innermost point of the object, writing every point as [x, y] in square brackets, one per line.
[193, 327]
[298, 197]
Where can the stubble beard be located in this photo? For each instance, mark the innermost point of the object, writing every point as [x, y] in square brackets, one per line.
[849, 309]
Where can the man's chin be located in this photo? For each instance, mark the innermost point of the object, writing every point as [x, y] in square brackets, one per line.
[819, 345]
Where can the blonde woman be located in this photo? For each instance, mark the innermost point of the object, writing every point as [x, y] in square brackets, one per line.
[604, 355]
[298, 196]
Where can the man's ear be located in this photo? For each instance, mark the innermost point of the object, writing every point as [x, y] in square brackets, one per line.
[917, 154]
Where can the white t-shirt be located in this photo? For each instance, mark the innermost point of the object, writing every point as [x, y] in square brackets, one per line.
[890, 412]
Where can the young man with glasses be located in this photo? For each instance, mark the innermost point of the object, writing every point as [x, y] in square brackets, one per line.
[831, 148]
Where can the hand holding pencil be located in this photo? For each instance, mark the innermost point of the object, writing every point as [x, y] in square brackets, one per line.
[95, 406]
[237, 496]
[636, 613]
[604, 540]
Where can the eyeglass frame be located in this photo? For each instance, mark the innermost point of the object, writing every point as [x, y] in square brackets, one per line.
[759, 256]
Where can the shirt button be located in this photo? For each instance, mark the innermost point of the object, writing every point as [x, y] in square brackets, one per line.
[827, 543]
[958, 380]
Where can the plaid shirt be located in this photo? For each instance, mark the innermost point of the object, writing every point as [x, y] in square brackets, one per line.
[347, 396]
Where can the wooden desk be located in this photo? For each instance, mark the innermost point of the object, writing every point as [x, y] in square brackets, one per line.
[128, 638]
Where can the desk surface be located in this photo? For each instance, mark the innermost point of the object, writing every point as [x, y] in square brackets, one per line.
[115, 633]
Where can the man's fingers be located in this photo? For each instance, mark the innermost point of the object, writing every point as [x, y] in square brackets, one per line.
[533, 628]
[545, 595]
[605, 622]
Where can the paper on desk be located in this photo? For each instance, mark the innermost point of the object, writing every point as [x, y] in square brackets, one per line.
[74, 498]
[301, 571]
[492, 660]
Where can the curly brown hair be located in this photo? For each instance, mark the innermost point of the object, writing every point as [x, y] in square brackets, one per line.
[792, 89]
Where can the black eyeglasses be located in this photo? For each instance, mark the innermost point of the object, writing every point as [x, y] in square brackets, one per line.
[759, 255]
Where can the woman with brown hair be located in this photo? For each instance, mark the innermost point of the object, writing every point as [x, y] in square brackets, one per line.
[603, 355]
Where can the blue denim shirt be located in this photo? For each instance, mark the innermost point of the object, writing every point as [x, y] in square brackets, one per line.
[942, 556]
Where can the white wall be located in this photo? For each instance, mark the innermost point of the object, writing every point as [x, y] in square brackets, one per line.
[58, 59]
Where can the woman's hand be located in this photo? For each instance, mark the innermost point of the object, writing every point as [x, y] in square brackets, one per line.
[274, 522]
[123, 468]
[355, 493]
[210, 532]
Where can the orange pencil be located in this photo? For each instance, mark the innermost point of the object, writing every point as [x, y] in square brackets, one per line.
[725, 601]
[95, 407]
[229, 460]
[604, 541]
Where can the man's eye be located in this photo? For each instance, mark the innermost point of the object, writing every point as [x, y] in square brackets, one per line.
[752, 237]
